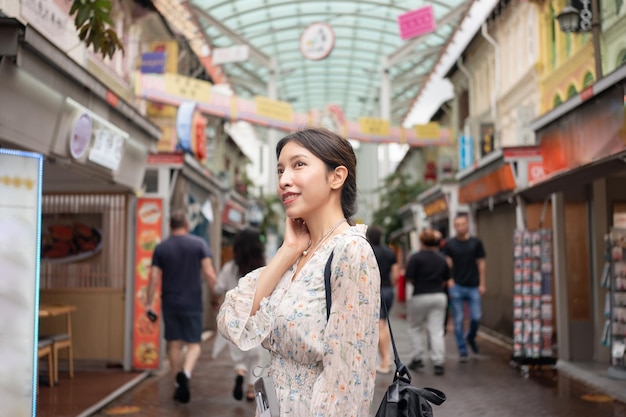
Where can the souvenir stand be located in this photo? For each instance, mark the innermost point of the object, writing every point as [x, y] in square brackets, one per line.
[614, 279]
[532, 301]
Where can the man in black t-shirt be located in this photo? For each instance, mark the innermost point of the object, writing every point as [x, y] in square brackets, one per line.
[178, 263]
[466, 257]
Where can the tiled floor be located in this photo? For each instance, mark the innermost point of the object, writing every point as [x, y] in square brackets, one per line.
[70, 397]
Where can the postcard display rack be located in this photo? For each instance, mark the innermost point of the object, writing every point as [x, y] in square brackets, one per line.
[614, 279]
[532, 300]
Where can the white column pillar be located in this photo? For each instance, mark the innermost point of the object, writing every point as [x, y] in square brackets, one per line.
[272, 134]
[385, 113]
[560, 275]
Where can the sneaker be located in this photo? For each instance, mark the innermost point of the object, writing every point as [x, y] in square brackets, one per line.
[472, 344]
[182, 393]
[238, 390]
[438, 369]
[416, 364]
[463, 358]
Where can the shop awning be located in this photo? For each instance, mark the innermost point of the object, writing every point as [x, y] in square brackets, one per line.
[571, 178]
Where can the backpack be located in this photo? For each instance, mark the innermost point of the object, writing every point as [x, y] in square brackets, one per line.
[401, 399]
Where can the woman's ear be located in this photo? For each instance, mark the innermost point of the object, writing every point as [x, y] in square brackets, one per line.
[338, 177]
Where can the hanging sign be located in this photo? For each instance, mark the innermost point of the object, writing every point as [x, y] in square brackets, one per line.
[427, 131]
[417, 22]
[374, 126]
[317, 41]
[237, 53]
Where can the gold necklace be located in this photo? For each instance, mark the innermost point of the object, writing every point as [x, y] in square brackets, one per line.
[332, 229]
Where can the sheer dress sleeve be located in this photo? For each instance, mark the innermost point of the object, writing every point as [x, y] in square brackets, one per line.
[234, 321]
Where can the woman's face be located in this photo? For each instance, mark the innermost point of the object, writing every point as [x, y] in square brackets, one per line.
[302, 181]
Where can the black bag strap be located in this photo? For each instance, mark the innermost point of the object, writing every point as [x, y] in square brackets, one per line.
[402, 372]
[431, 394]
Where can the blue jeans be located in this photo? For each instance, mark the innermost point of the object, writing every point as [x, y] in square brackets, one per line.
[458, 295]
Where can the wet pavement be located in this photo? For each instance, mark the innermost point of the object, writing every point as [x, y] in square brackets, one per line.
[486, 386]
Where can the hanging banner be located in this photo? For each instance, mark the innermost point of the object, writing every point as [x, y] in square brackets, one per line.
[417, 22]
[374, 126]
[146, 334]
[271, 113]
[429, 130]
[20, 231]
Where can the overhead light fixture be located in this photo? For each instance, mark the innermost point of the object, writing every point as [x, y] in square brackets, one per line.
[569, 19]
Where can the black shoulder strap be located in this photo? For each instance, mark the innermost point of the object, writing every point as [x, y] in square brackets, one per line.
[327, 284]
[401, 370]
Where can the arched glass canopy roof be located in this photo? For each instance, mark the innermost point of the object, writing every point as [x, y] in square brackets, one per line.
[367, 41]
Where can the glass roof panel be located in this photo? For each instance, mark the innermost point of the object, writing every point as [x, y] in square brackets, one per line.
[366, 36]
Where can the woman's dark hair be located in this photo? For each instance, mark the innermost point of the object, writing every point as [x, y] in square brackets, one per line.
[334, 151]
[248, 250]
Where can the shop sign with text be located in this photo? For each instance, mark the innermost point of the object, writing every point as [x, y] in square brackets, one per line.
[435, 207]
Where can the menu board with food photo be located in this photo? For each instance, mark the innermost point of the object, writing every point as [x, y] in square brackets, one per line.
[146, 332]
[70, 237]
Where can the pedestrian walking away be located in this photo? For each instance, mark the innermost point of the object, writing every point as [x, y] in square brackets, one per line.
[388, 266]
[466, 257]
[428, 271]
[178, 263]
[248, 255]
[319, 366]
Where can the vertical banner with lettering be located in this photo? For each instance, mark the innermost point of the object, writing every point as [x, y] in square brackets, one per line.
[146, 334]
[20, 237]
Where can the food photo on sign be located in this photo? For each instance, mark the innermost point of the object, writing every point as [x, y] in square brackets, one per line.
[70, 237]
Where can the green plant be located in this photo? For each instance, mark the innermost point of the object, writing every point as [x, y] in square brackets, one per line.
[396, 191]
[93, 22]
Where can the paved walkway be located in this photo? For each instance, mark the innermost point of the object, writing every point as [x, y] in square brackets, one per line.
[486, 386]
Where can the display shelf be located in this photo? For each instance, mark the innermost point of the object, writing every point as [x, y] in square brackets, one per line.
[532, 300]
[614, 335]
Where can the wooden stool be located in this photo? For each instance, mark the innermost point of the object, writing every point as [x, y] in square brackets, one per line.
[44, 348]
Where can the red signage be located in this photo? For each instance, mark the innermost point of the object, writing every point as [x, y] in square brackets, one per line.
[166, 159]
[146, 334]
[585, 135]
[535, 171]
[494, 183]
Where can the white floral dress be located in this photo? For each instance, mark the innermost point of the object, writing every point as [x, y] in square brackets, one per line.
[318, 369]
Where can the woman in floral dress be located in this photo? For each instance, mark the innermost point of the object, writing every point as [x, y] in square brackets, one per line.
[319, 368]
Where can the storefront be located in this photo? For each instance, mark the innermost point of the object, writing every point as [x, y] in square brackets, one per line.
[440, 204]
[583, 147]
[95, 148]
[488, 190]
[182, 183]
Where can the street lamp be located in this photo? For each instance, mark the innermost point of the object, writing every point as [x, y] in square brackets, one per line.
[584, 16]
[569, 19]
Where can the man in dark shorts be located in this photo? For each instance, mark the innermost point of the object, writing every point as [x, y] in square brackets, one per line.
[178, 263]
[466, 256]
[388, 266]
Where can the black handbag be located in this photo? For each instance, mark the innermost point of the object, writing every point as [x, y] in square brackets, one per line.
[401, 399]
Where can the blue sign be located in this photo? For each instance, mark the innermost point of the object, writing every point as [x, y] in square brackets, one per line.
[153, 62]
[184, 120]
[466, 152]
